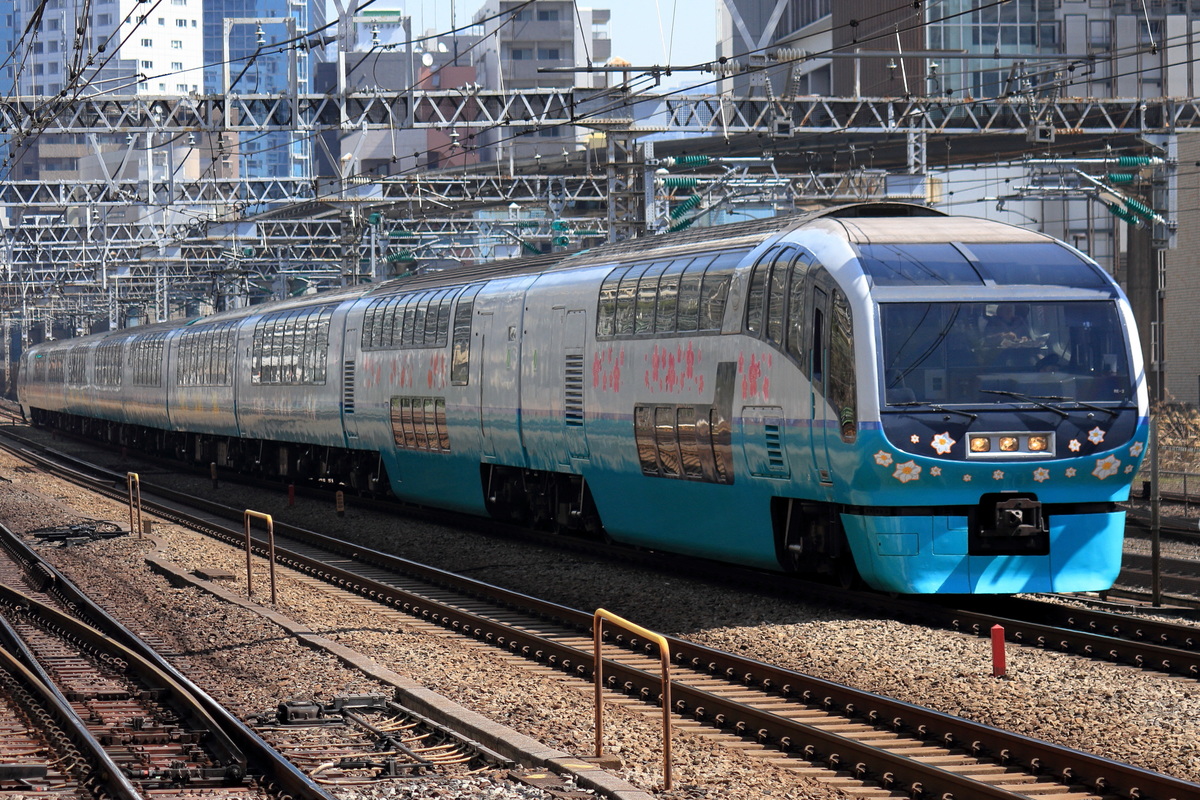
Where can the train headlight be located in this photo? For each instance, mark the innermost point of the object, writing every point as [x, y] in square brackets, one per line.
[1038, 444]
[1009, 444]
[980, 444]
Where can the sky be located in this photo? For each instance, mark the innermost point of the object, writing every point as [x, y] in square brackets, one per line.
[641, 30]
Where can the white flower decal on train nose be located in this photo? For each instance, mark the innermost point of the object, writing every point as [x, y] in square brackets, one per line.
[883, 458]
[942, 443]
[1095, 436]
[1106, 467]
[908, 471]
[1136, 449]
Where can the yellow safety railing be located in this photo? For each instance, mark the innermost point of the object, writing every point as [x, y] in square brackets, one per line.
[270, 549]
[134, 485]
[665, 653]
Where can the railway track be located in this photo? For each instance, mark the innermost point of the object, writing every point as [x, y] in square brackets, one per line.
[159, 734]
[812, 723]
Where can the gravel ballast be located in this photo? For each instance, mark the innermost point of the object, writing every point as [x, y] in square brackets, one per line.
[1144, 718]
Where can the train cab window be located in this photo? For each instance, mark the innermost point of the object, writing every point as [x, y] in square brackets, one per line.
[627, 300]
[756, 298]
[714, 294]
[842, 393]
[460, 353]
[1036, 263]
[665, 315]
[606, 309]
[647, 298]
[795, 324]
[777, 296]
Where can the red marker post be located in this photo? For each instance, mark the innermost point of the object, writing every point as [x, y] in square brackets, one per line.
[998, 657]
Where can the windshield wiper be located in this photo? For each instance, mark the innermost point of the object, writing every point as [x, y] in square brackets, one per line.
[935, 407]
[1112, 412]
[1028, 399]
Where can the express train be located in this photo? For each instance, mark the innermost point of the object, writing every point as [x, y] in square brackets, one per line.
[932, 403]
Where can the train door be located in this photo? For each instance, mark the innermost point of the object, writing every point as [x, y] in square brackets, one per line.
[822, 421]
[498, 333]
[343, 362]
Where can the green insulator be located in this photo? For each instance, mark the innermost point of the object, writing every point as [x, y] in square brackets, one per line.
[531, 249]
[401, 234]
[680, 182]
[686, 206]
[1141, 209]
[1134, 161]
[683, 224]
[693, 161]
[1120, 177]
[1121, 213]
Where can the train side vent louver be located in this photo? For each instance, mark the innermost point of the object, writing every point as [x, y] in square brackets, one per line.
[573, 406]
[774, 448]
[348, 387]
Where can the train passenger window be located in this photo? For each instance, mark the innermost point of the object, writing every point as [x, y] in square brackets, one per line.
[689, 295]
[842, 393]
[795, 327]
[414, 317]
[606, 308]
[818, 338]
[627, 299]
[720, 436]
[442, 332]
[370, 325]
[715, 292]
[777, 296]
[689, 450]
[643, 432]
[757, 296]
[647, 298]
[460, 354]
[666, 440]
[668, 297]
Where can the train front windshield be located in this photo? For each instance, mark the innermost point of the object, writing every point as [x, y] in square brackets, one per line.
[974, 353]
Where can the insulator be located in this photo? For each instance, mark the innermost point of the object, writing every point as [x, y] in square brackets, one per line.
[686, 206]
[1140, 208]
[680, 182]
[789, 54]
[1136, 161]
[1120, 177]
[1122, 214]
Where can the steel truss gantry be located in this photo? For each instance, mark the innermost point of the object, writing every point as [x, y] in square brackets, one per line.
[151, 240]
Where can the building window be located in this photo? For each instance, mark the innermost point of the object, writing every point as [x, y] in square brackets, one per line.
[147, 43]
[104, 19]
[177, 66]
[181, 23]
[176, 44]
[147, 65]
[547, 15]
[548, 53]
[521, 54]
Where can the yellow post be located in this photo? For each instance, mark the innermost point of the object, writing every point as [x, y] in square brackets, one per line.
[270, 549]
[665, 654]
[134, 486]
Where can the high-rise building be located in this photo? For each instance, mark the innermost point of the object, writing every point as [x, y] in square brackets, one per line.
[112, 47]
[512, 49]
